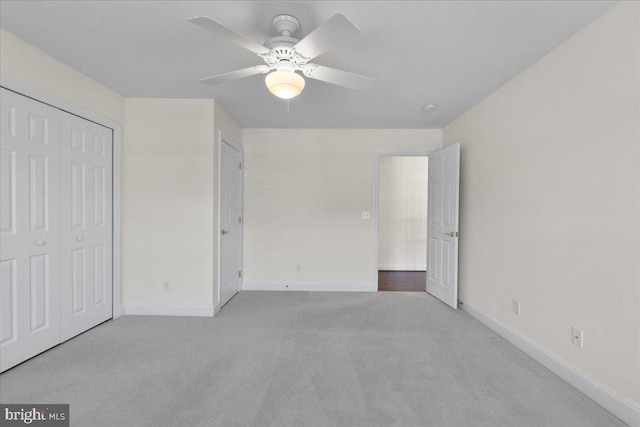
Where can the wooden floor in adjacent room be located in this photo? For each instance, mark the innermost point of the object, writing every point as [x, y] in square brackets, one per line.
[402, 281]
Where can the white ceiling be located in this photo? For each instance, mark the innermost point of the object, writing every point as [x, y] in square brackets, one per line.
[451, 53]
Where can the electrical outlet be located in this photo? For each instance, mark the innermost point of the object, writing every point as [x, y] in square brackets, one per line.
[366, 215]
[166, 284]
[516, 307]
[577, 337]
[298, 268]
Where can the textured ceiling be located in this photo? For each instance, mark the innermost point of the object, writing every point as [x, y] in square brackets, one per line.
[451, 54]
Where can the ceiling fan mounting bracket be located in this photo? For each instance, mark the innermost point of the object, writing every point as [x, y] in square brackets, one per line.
[285, 25]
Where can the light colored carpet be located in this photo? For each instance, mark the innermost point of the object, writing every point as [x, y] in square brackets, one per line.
[301, 359]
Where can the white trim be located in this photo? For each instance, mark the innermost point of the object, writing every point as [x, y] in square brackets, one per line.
[216, 229]
[216, 308]
[224, 139]
[615, 404]
[169, 310]
[28, 91]
[117, 221]
[376, 202]
[307, 286]
[405, 267]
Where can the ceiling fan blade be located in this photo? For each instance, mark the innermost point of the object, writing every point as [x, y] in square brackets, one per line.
[328, 35]
[338, 77]
[233, 75]
[223, 32]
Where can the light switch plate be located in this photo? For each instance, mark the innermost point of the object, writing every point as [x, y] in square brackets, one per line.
[577, 337]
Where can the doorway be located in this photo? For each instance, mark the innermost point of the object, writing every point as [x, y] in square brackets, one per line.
[402, 187]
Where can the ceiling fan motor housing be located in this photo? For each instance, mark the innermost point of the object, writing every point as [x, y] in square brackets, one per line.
[282, 56]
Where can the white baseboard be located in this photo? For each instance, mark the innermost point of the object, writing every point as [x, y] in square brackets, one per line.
[403, 267]
[169, 310]
[615, 404]
[216, 308]
[309, 286]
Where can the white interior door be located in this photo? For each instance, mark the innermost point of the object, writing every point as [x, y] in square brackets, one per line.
[230, 221]
[442, 227]
[29, 228]
[86, 227]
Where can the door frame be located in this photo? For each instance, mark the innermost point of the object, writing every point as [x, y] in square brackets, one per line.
[27, 90]
[376, 202]
[224, 139]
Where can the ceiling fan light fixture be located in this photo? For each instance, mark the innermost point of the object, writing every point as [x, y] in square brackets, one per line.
[284, 84]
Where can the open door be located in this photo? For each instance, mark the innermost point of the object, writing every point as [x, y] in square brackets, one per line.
[442, 227]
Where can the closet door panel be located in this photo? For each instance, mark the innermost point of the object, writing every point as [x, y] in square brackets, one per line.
[29, 228]
[86, 181]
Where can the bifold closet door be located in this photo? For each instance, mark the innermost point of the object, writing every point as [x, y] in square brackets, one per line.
[29, 228]
[86, 229]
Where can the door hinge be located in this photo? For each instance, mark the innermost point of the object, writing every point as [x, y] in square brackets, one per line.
[239, 220]
[240, 165]
[239, 273]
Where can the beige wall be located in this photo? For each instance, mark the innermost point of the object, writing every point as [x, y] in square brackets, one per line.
[168, 201]
[224, 123]
[170, 207]
[402, 218]
[305, 191]
[550, 201]
[39, 70]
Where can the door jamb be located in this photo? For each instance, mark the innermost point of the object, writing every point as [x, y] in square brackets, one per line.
[376, 201]
[224, 139]
[29, 91]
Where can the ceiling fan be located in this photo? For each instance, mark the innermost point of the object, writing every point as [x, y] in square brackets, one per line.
[284, 55]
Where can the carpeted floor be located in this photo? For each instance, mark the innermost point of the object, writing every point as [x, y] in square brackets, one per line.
[301, 359]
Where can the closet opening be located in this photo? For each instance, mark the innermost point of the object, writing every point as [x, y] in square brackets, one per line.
[59, 252]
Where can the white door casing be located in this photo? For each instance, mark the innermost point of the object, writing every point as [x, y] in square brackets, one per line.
[442, 227]
[86, 227]
[230, 220]
[29, 228]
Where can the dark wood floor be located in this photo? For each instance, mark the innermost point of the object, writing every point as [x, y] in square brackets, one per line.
[402, 281]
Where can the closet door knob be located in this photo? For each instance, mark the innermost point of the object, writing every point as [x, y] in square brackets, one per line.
[79, 239]
[41, 242]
